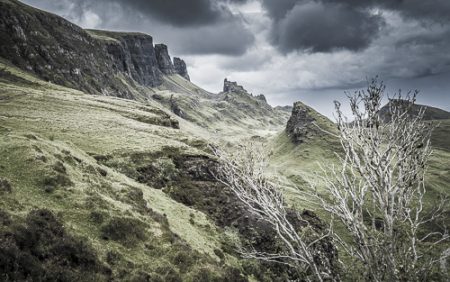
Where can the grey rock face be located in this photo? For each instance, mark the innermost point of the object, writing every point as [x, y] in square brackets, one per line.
[135, 56]
[163, 59]
[232, 86]
[300, 125]
[180, 68]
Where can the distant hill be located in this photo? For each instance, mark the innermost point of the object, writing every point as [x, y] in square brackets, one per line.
[431, 113]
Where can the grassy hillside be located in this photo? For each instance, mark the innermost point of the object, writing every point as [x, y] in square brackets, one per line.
[227, 116]
[52, 144]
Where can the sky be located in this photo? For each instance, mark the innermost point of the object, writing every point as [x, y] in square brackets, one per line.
[290, 50]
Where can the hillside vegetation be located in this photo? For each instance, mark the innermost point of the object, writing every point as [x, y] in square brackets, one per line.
[106, 169]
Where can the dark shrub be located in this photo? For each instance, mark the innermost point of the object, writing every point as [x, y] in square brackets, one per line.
[205, 275]
[219, 254]
[233, 274]
[41, 250]
[135, 197]
[52, 182]
[184, 258]
[59, 167]
[112, 257]
[97, 217]
[146, 277]
[102, 171]
[127, 231]
[5, 218]
[168, 273]
[5, 186]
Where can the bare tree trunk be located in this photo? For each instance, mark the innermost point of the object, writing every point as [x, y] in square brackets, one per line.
[243, 173]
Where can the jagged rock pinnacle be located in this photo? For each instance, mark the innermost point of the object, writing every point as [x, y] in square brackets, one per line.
[300, 124]
[232, 86]
[180, 68]
[164, 62]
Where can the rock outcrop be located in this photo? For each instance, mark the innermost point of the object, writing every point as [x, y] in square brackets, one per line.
[300, 125]
[232, 86]
[162, 57]
[180, 68]
[261, 97]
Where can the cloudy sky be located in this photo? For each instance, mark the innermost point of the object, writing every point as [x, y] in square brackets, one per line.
[309, 50]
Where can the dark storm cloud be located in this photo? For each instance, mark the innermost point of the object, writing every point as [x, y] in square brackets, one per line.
[431, 10]
[322, 28]
[326, 25]
[178, 12]
[435, 10]
[226, 38]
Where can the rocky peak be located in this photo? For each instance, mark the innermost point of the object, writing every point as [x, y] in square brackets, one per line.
[300, 125]
[164, 62]
[261, 97]
[180, 68]
[232, 86]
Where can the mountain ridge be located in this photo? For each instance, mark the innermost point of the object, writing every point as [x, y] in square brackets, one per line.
[98, 62]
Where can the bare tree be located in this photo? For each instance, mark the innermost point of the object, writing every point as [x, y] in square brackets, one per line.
[377, 191]
[244, 173]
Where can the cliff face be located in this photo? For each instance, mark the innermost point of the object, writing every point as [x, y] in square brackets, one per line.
[180, 68]
[134, 55]
[162, 57]
[60, 52]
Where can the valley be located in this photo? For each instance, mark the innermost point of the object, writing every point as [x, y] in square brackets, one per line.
[106, 168]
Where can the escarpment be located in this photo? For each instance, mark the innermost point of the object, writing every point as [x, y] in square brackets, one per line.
[134, 56]
[164, 62]
[180, 68]
[93, 61]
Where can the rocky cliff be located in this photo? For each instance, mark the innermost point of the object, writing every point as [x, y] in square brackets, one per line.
[96, 62]
[180, 68]
[132, 54]
[232, 86]
[162, 57]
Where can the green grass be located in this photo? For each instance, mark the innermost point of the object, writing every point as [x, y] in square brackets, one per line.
[49, 136]
[78, 155]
